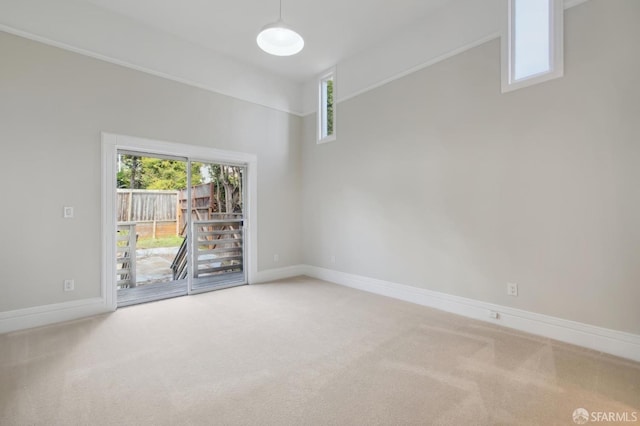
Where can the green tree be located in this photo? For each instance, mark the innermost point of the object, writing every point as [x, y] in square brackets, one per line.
[330, 107]
[227, 181]
[129, 172]
[155, 173]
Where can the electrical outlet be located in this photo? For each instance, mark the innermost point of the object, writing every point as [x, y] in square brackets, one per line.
[333, 259]
[276, 258]
[67, 212]
[512, 289]
[494, 315]
[69, 285]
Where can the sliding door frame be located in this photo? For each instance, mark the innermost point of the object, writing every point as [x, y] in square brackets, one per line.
[112, 143]
[192, 254]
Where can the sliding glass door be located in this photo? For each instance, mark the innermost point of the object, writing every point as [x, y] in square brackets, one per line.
[218, 227]
[180, 227]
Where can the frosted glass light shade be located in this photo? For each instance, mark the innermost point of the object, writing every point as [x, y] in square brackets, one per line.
[280, 40]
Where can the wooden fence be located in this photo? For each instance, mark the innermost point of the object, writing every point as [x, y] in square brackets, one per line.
[204, 205]
[153, 211]
[163, 213]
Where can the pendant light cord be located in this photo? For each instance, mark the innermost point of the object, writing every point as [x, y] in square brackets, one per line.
[281, 10]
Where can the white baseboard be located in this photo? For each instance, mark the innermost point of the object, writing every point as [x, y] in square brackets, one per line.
[625, 345]
[21, 319]
[279, 273]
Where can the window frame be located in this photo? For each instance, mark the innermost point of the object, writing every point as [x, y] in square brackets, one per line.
[556, 49]
[322, 107]
[112, 143]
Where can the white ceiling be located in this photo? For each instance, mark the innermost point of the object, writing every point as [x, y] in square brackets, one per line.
[333, 29]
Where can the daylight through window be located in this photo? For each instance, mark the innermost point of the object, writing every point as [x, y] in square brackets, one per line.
[534, 42]
[326, 109]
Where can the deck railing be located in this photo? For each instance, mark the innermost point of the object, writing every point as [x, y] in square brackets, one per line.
[218, 246]
[126, 255]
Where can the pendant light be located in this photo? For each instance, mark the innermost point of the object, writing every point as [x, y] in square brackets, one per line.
[279, 39]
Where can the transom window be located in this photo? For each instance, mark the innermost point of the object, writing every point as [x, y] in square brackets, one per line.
[534, 43]
[326, 108]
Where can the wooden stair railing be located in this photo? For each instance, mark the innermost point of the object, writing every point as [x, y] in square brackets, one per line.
[222, 238]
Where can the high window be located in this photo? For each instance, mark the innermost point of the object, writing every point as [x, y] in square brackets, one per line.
[326, 108]
[533, 44]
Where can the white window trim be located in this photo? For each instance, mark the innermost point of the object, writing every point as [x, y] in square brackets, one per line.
[111, 143]
[556, 40]
[326, 75]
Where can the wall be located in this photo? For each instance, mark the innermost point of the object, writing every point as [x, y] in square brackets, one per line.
[447, 31]
[439, 181]
[53, 106]
[442, 33]
[86, 28]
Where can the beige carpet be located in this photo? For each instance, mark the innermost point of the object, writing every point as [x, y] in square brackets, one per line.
[300, 352]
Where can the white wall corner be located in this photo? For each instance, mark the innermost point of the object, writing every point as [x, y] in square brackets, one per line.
[22, 319]
[618, 343]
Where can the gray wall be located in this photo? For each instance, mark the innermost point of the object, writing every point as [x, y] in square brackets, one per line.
[439, 181]
[53, 106]
[436, 181]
